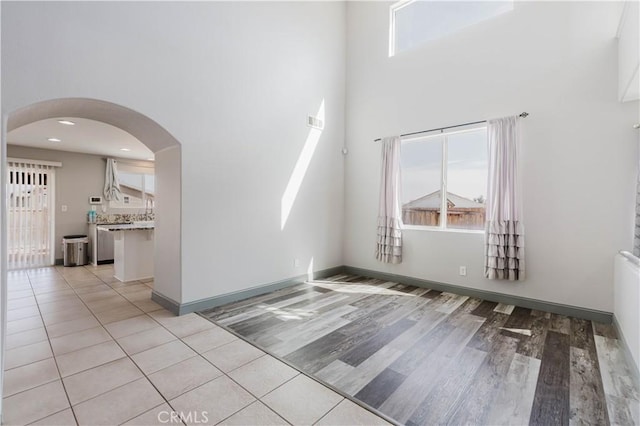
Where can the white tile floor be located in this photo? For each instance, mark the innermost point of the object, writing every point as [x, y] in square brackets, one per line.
[83, 348]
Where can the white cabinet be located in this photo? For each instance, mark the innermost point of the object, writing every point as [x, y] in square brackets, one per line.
[133, 254]
[629, 52]
[93, 242]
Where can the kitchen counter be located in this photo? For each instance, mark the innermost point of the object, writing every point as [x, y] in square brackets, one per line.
[126, 227]
[133, 249]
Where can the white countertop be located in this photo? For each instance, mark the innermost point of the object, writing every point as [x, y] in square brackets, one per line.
[136, 226]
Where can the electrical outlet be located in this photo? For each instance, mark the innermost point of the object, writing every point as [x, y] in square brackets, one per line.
[296, 262]
[463, 271]
[64, 208]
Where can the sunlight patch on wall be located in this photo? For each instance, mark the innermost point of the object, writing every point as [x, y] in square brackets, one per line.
[300, 170]
[310, 270]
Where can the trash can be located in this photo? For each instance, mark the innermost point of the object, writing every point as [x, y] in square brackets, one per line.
[75, 249]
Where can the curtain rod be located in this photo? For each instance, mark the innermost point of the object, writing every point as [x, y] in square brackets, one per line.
[141, 163]
[522, 115]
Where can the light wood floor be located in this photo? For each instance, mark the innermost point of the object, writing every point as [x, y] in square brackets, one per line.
[425, 357]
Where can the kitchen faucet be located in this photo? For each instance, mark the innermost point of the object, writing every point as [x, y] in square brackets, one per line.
[148, 209]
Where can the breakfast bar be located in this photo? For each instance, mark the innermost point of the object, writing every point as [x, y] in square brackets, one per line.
[132, 250]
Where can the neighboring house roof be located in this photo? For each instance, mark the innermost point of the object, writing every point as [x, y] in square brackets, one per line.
[433, 201]
[132, 191]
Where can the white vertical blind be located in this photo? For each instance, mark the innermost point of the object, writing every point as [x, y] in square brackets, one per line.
[30, 188]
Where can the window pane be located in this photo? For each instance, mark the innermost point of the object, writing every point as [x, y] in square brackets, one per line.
[421, 21]
[149, 184]
[131, 187]
[467, 180]
[131, 180]
[149, 189]
[421, 181]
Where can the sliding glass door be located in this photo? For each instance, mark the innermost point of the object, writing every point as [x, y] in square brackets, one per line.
[30, 193]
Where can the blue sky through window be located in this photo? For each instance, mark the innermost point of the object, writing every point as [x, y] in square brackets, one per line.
[466, 166]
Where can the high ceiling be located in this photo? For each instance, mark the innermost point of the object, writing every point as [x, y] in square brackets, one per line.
[85, 136]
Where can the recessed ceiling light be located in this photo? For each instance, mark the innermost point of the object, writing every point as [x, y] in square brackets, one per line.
[67, 122]
[54, 140]
[125, 149]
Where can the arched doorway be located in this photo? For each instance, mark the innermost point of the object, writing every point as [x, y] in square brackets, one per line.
[167, 151]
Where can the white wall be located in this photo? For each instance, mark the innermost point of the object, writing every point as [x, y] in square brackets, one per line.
[629, 52]
[168, 244]
[556, 61]
[234, 83]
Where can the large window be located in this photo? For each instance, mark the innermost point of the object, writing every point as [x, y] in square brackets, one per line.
[453, 163]
[415, 22]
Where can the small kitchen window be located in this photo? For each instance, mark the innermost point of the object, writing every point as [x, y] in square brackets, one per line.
[137, 185]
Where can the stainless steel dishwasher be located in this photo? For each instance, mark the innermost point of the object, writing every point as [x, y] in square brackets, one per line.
[104, 247]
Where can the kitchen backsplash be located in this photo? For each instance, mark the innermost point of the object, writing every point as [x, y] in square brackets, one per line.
[123, 217]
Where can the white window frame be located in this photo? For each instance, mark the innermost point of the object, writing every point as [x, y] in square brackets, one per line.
[403, 3]
[444, 133]
[392, 24]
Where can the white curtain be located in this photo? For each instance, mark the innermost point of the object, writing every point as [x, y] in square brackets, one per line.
[389, 247]
[111, 183]
[504, 230]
